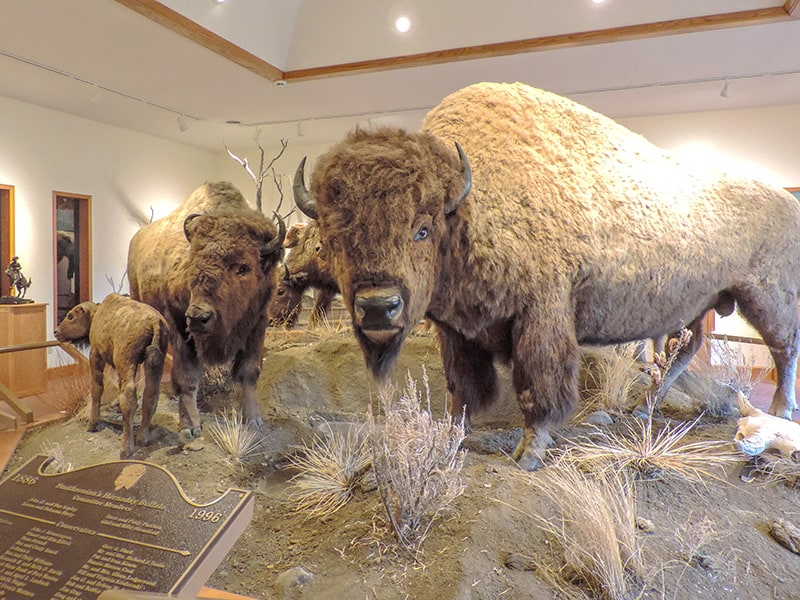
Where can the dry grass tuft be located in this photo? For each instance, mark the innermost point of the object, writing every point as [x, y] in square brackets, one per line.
[653, 455]
[648, 453]
[416, 461]
[239, 441]
[595, 534]
[778, 469]
[609, 384]
[329, 471]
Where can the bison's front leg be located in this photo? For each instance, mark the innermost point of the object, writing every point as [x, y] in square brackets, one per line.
[245, 372]
[470, 373]
[545, 361]
[186, 372]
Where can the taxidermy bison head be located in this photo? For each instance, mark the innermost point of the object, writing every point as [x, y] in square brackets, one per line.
[287, 300]
[382, 199]
[76, 324]
[230, 272]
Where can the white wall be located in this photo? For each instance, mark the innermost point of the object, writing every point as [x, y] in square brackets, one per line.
[42, 151]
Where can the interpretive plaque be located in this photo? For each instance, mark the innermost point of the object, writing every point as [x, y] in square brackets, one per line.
[117, 525]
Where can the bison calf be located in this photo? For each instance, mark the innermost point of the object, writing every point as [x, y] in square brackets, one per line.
[122, 333]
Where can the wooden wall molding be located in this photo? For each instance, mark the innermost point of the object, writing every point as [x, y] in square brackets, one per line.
[157, 12]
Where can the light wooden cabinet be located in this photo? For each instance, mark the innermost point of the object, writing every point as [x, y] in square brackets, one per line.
[23, 372]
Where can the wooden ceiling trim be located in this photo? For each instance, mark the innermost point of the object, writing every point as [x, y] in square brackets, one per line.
[600, 36]
[155, 11]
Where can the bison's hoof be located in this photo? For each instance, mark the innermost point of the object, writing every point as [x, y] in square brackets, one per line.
[255, 422]
[188, 434]
[529, 461]
[125, 454]
[93, 427]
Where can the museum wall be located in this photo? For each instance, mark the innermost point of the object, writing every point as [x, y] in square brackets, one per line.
[42, 151]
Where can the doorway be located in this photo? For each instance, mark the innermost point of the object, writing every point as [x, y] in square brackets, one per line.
[6, 235]
[72, 245]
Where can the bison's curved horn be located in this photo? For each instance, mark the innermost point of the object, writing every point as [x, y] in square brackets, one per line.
[302, 197]
[186, 222]
[277, 241]
[286, 275]
[466, 172]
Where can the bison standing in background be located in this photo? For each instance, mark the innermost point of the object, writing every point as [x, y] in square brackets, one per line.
[208, 267]
[569, 229]
[305, 267]
[124, 334]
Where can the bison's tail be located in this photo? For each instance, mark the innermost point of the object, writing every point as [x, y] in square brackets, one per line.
[154, 354]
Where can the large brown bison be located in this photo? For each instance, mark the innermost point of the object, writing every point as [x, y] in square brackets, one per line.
[122, 334]
[574, 231]
[304, 268]
[208, 267]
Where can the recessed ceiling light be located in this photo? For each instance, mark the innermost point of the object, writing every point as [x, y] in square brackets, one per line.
[594, 1]
[402, 24]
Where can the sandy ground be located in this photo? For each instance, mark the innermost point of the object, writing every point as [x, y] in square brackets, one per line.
[707, 540]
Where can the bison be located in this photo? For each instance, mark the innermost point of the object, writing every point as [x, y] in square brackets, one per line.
[567, 229]
[124, 334]
[305, 267]
[209, 267]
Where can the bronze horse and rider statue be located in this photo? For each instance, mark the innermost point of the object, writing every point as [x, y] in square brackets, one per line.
[18, 281]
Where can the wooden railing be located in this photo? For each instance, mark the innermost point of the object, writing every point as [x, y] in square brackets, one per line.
[19, 406]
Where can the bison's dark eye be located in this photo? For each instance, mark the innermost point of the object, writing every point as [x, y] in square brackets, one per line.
[281, 292]
[242, 270]
[421, 234]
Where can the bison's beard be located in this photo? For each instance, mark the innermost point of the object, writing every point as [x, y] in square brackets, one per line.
[380, 358]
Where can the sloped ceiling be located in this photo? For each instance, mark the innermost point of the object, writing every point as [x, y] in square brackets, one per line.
[310, 70]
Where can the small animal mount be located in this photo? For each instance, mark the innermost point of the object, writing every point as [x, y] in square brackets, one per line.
[18, 282]
[759, 432]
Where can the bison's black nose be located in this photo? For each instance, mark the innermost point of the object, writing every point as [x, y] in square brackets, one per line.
[376, 309]
[198, 317]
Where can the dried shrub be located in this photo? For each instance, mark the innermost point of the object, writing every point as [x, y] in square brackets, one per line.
[72, 391]
[416, 460]
[57, 462]
[329, 470]
[595, 533]
[648, 453]
[735, 370]
[239, 441]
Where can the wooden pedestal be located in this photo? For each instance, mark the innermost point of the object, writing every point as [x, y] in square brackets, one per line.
[23, 372]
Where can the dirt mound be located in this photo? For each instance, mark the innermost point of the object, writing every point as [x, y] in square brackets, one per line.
[708, 540]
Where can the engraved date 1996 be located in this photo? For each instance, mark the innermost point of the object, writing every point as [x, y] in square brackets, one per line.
[208, 516]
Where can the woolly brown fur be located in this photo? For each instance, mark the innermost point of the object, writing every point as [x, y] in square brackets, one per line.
[576, 231]
[123, 334]
[307, 268]
[212, 264]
